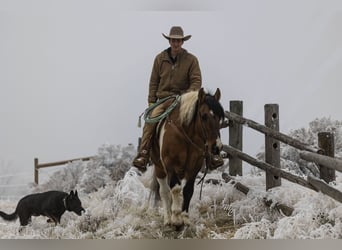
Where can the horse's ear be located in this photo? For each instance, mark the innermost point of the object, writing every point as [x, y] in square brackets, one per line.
[201, 95]
[75, 192]
[71, 192]
[217, 94]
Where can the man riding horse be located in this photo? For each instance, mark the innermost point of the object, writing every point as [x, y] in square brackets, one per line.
[175, 71]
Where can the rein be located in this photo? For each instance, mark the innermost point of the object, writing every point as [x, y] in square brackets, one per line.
[181, 130]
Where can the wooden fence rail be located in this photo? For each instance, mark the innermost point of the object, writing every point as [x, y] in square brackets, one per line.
[323, 155]
[270, 132]
[330, 162]
[266, 166]
[38, 165]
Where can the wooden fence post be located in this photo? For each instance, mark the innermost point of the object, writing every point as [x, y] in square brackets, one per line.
[36, 170]
[272, 146]
[235, 138]
[327, 143]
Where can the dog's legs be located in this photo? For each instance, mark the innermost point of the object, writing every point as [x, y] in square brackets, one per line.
[21, 228]
[53, 219]
[24, 220]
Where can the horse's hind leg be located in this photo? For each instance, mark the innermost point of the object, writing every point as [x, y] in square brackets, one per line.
[165, 195]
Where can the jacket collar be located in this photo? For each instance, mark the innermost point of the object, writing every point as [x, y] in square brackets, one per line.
[169, 57]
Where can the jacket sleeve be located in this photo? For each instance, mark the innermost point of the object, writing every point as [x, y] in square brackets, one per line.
[154, 81]
[195, 76]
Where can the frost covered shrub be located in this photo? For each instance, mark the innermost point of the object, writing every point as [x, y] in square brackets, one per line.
[290, 159]
[93, 177]
[328, 125]
[65, 179]
[110, 164]
[263, 229]
[117, 159]
[90, 223]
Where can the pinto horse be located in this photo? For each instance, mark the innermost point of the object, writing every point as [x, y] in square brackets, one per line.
[186, 139]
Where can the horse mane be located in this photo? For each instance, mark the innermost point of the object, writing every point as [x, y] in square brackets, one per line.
[188, 107]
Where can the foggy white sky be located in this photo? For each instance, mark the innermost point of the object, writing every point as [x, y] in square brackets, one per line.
[74, 74]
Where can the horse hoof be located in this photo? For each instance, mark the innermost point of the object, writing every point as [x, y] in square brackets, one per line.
[185, 217]
[167, 222]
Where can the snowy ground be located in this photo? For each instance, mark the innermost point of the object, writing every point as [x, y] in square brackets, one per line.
[117, 206]
[122, 211]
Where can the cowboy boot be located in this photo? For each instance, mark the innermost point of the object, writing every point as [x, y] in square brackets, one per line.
[216, 161]
[141, 160]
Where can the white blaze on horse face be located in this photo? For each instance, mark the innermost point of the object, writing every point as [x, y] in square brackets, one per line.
[219, 143]
[218, 139]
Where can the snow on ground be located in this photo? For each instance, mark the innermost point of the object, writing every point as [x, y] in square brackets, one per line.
[116, 199]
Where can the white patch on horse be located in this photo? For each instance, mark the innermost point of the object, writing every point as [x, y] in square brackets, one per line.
[219, 143]
[176, 207]
[161, 138]
[164, 190]
[165, 195]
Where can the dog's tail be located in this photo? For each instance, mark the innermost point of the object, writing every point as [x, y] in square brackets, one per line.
[9, 217]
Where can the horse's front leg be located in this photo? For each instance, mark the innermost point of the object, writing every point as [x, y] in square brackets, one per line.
[176, 207]
[188, 191]
[165, 196]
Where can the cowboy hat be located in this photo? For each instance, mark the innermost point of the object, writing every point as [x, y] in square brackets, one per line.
[176, 32]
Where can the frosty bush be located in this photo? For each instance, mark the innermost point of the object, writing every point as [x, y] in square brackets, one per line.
[110, 164]
[290, 159]
[64, 180]
[90, 224]
[117, 159]
[94, 177]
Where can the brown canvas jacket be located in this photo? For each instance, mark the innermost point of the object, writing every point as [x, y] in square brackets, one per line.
[169, 79]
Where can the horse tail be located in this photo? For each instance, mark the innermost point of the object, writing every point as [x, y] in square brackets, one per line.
[9, 217]
[154, 190]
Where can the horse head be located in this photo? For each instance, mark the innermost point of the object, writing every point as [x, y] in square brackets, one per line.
[211, 115]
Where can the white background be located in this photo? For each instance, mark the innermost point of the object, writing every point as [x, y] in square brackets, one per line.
[74, 74]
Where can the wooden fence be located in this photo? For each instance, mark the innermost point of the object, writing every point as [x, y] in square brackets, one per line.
[322, 155]
[38, 165]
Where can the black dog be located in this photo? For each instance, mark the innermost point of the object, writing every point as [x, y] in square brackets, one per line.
[51, 204]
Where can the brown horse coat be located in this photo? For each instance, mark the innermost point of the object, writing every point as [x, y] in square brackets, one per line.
[188, 135]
